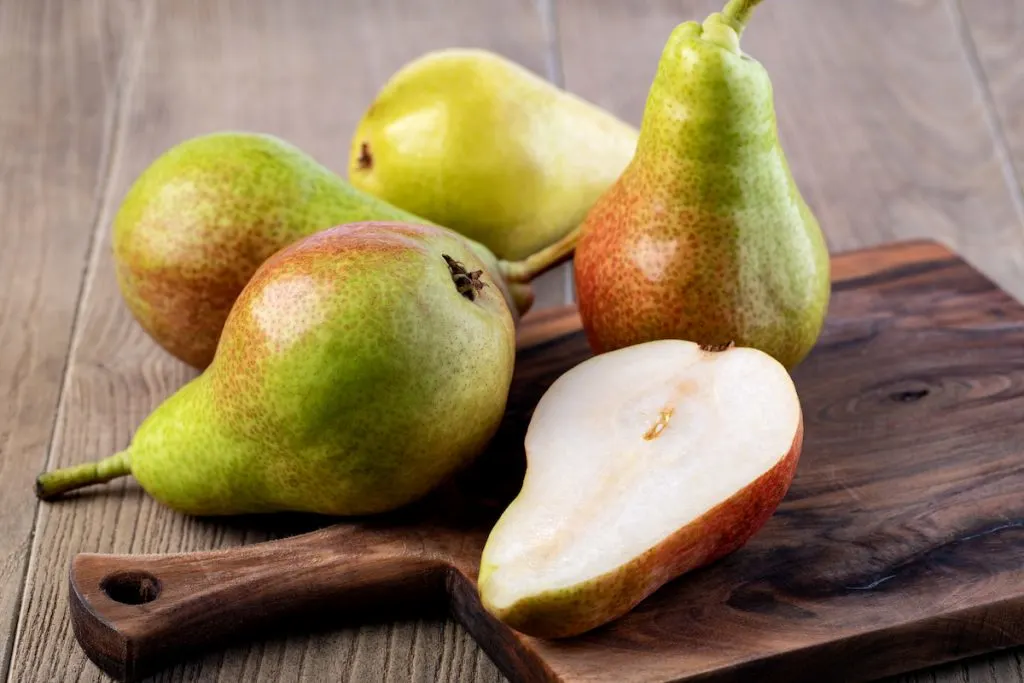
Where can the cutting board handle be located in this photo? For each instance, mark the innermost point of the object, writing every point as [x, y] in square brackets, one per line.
[134, 614]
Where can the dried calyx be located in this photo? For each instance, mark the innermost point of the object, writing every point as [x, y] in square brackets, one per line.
[468, 283]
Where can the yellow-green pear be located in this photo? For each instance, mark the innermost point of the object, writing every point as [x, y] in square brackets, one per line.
[359, 368]
[477, 143]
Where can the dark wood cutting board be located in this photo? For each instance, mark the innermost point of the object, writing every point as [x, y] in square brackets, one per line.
[900, 544]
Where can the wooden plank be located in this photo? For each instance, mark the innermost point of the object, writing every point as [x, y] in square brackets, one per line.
[993, 32]
[60, 83]
[885, 130]
[304, 70]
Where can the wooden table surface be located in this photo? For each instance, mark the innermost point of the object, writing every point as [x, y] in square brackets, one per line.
[901, 118]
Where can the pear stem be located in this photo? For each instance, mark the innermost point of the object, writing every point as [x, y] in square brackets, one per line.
[737, 13]
[535, 265]
[50, 485]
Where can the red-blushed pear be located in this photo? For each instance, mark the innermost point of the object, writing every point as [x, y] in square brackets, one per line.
[358, 368]
[199, 221]
[642, 464]
[705, 236]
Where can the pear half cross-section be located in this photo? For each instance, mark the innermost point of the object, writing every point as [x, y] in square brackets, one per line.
[642, 464]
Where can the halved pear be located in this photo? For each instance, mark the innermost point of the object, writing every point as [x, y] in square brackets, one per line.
[642, 464]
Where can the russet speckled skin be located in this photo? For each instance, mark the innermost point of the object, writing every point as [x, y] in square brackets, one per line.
[717, 533]
[352, 377]
[477, 143]
[705, 237]
[200, 220]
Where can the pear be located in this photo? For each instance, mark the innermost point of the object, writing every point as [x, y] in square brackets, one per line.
[479, 144]
[705, 236]
[200, 220]
[359, 368]
[642, 464]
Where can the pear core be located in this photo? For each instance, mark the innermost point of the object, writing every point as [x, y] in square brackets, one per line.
[627, 449]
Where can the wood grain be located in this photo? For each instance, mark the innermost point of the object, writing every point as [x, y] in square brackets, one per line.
[57, 116]
[885, 130]
[895, 145]
[899, 545]
[303, 70]
[162, 607]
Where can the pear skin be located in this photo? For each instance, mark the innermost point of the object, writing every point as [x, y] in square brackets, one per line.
[359, 368]
[200, 220]
[481, 145]
[705, 236]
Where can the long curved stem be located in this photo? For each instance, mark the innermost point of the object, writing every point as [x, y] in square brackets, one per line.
[737, 13]
[535, 265]
[50, 485]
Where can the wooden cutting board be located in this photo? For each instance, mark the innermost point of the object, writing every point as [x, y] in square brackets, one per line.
[900, 544]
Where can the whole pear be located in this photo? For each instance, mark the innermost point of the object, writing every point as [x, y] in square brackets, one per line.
[359, 368]
[477, 143]
[705, 236]
[200, 220]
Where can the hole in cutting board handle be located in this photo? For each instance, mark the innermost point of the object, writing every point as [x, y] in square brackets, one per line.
[131, 588]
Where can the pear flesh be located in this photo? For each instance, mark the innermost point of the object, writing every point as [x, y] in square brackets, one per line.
[642, 464]
[477, 143]
[358, 369]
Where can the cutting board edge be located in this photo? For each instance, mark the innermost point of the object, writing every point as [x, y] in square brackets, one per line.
[894, 634]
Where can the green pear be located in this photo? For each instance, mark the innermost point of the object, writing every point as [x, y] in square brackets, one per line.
[479, 144]
[643, 464]
[200, 220]
[705, 236]
[359, 368]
